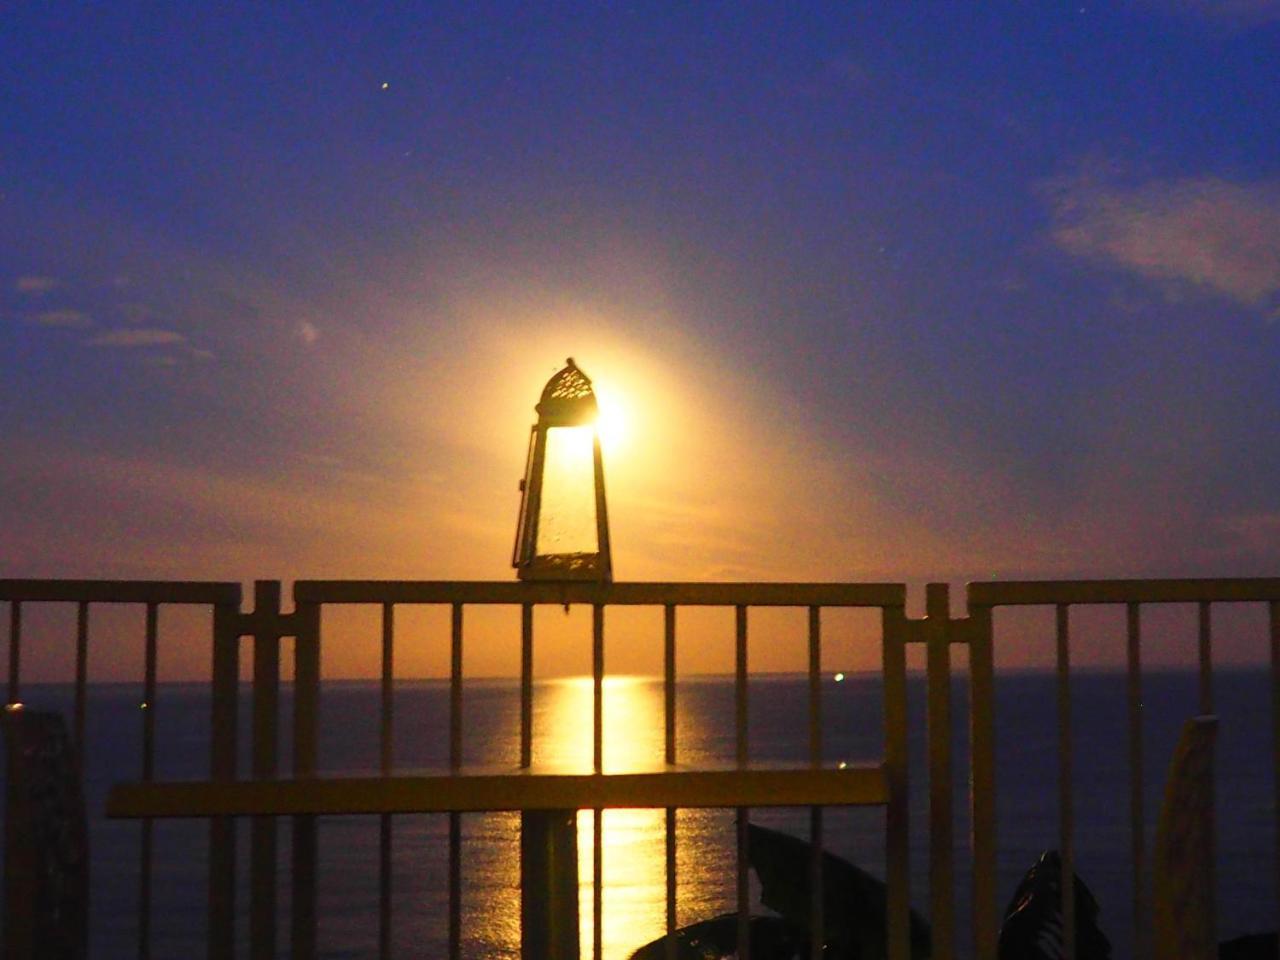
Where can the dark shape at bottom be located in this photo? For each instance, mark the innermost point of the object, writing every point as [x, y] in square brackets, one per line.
[853, 901]
[1033, 926]
[46, 862]
[1252, 946]
[853, 910]
[772, 938]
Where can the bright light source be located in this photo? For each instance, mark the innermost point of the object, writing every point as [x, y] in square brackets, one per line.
[839, 678]
[563, 530]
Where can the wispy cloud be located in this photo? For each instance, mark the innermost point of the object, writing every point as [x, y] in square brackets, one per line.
[1214, 233]
[137, 337]
[67, 319]
[35, 285]
[308, 332]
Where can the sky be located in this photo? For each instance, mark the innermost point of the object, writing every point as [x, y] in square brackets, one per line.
[889, 292]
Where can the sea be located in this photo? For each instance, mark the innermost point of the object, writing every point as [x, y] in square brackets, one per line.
[633, 840]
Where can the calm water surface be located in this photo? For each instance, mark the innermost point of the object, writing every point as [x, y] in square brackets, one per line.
[634, 851]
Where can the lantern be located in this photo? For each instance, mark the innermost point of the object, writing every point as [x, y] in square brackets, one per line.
[563, 530]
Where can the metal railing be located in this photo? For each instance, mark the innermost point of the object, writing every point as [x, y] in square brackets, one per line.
[678, 788]
[983, 599]
[223, 598]
[303, 795]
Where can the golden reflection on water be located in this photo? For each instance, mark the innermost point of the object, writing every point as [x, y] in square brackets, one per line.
[633, 845]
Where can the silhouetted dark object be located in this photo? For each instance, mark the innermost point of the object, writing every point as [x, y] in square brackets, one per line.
[1032, 928]
[1252, 946]
[563, 531]
[46, 864]
[772, 938]
[853, 913]
[853, 900]
[1182, 861]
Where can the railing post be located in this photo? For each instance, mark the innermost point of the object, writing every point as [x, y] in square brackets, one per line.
[897, 865]
[266, 694]
[549, 884]
[982, 784]
[306, 702]
[937, 633]
[222, 764]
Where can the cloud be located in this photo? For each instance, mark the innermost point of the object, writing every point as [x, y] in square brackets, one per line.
[308, 332]
[67, 319]
[137, 337]
[35, 285]
[1213, 233]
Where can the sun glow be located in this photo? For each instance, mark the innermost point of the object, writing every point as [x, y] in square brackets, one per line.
[614, 420]
[633, 857]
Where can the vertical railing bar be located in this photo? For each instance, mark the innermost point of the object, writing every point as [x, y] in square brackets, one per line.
[669, 680]
[149, 696]
[597, 687]
[815, 686]
[938, 732]
[1205, 631]
[306, 706]
[387, 748]
[148, 774]
[815, 760]
[597, 821]
[1137, 809]
[455, 687]
[897, 819]
[222, 769]
[1206, 658]
[1274, 616]
[15, 651]
[669, 718]
[455, 764]
[740, 686]
[597, 884]
[455, 885]
[263, 864]
[526, 684]
[744, 884]
[82, 681]
[1066, 824]
[672, 918]
[743, 753]
[982, 796]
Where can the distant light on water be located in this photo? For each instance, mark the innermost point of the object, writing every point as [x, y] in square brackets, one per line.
[839, 678]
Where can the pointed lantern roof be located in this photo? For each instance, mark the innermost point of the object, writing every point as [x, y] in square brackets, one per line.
[568, 398]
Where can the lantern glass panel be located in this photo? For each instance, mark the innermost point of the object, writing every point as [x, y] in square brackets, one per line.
[567, 518]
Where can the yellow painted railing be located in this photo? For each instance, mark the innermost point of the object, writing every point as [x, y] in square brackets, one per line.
[302, 795]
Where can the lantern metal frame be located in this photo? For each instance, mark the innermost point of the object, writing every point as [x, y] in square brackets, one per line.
[568, 400]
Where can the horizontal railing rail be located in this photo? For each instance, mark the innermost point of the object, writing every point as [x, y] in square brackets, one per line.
[605, 594]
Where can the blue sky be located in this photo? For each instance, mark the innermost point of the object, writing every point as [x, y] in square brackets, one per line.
[887, 291]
